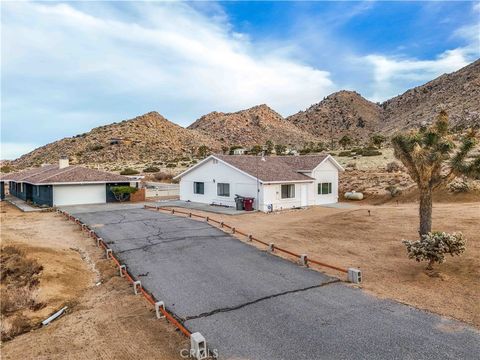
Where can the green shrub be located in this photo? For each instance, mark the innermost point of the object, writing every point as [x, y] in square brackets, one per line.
[151, 169]
[161, 176]
[129, 171]
[6, 169]
[122, 193]
[171, 165]
[434, 245]
[345, 153]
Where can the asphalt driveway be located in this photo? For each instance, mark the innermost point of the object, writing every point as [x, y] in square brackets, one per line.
[253, 305]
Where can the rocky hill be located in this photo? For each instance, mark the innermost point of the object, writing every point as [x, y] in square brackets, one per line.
[458, 93]
[341, 113]
[347, 112]
[251, 127]
[145, 138]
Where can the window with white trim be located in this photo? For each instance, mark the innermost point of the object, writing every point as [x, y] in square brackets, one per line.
[324, 188]
[288, 191]
[223, 189]
[199, 188]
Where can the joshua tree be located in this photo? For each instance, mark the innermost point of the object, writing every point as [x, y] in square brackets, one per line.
[345, 141]
[269, 146]
[432, 159]
[280, 149]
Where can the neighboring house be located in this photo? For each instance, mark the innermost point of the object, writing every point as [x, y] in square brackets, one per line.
[62, 184]
[239, 151]
[275, 182]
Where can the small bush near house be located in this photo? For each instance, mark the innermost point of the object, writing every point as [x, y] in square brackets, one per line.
[151, 169]
[161, 176]
[345, 153]
[122, 193]
[393, 167]
[171, 165]
[183, 164]
[129, 171]
[393, 190]
[433, 247]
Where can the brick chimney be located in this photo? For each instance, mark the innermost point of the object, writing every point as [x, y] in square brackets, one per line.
[63, 162]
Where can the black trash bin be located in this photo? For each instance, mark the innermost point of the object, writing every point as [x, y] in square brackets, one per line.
[239, 201]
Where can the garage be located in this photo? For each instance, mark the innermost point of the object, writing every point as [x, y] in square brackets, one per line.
[79, 194]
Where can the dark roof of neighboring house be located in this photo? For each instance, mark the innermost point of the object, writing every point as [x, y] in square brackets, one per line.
[275, 168]
[50, 174]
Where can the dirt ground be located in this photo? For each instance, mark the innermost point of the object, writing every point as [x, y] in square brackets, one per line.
[103, 322]
[372, 243]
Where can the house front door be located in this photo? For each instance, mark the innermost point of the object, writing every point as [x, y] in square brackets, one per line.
[303, 195]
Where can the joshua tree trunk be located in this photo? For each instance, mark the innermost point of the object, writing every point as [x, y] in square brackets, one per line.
[425, 211]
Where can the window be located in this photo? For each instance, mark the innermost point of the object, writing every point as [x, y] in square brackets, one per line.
[223, 189]
[288, 191]
[198, 188]
[324, 188]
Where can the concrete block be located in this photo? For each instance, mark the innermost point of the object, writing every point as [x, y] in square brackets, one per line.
[158, 305]
[250, 237]
[354, 276]
[304, 260]
[98, 241]
[108, 252]
[136, 285]
[198, 346]
[121, 269]
[271, 247]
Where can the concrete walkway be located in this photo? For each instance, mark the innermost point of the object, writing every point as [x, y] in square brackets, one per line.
[22, 205]
[203, 207]
[253, 305]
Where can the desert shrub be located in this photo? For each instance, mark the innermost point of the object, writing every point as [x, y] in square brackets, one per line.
[122, 193]
[16, 325]
[370, 152]
[351, 165]
[393, 190]
[171, 165]
[151, 169]
[161, 176]
[129, 171]
[96, 147]
[345, 153]
[393, 167]
[434, 245]
[458, 186]
[16, 268]
[6, 169]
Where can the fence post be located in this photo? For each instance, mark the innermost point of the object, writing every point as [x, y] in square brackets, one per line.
[158, 305]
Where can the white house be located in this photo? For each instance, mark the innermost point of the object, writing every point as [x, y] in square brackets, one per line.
[275, 182]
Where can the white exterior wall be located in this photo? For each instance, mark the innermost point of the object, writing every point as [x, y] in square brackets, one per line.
[79, 194]
[270, 194]
[325, 172]
[211, 174]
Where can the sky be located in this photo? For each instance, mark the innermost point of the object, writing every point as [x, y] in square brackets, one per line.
[67, 67]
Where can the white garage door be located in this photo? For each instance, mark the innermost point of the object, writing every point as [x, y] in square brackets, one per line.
[79, 194]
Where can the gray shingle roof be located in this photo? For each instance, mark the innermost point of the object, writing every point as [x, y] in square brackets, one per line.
[50, 174]
[275, 168]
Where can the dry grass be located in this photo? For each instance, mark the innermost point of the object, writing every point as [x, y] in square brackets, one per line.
[18, 292]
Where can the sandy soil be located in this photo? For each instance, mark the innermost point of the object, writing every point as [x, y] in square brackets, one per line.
[352, 238]
[103, 322]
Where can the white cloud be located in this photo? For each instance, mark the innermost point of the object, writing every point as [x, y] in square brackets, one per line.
[178, 58]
